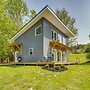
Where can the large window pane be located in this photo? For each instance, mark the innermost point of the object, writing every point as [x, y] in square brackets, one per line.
[54, 35]
[59, 38]
[64, 40]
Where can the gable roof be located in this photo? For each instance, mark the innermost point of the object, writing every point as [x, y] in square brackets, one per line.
[48, 14]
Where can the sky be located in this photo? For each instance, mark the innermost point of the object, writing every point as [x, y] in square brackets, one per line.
[79, 9]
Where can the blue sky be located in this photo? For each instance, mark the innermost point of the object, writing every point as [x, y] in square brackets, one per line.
[79, 9]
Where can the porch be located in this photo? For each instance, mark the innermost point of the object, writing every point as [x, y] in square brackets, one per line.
[16, 50]
[59, 51]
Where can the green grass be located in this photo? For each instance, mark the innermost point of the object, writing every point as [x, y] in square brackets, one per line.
[77, 77]
[82, 57]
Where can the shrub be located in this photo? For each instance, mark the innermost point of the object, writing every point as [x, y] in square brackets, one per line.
[80, 51]
[88, 56]
[62, 66]
[46, 66]
[57, 67]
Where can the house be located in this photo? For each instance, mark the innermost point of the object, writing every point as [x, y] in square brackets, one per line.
[43, 39]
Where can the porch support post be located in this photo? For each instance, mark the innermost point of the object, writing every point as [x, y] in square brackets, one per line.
[61, 56]
[65, 57]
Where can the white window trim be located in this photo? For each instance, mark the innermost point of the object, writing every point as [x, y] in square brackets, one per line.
[64, 40]
[36, 29]
[60, 38]
[53, 34]
[32, 51]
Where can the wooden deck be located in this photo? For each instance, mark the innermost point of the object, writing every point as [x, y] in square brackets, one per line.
[44, 63]
[40, 63]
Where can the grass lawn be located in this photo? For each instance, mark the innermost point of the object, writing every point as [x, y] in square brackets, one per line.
[82, 57]
[77, 77]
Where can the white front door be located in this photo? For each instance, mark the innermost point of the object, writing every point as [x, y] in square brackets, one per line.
[55, 54]
[60, 56]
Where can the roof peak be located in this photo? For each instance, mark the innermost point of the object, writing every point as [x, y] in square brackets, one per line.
[23, 29]
[47, 6]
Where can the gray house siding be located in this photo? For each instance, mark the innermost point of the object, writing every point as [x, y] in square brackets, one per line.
[40, 43]
[47, 37]
[29, 40]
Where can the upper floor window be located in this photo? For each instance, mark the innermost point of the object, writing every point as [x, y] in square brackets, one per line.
[54, 35]
[64, 40]
[30, 51]
[59, 38]
[38, 30]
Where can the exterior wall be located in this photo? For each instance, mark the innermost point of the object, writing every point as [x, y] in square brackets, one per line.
[40, 43]
[47, 37]
[29, 40]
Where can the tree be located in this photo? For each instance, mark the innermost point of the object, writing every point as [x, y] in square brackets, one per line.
[11, 20]
[87, 48]
[89, 36]
[64, 16]
[5, 21]
[88, 56]
[78, 49]
[12, 16]
[17, 10]
[32, 13]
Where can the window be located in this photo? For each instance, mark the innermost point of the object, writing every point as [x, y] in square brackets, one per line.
[59, 38]
[38, 30]
[54, 35]
[31, 51]
[64, 40]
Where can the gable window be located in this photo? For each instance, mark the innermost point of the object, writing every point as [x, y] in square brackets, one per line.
[30, 51]
[38, 30]
[54, 35]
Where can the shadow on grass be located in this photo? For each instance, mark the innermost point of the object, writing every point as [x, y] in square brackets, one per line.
[85, 63]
